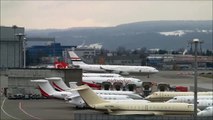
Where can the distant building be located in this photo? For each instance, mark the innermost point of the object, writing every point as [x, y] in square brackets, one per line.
[11, 47]
[124, 60]
[153, 51]
[88, 52]
[155, 61]
[45, 54]
[179, 62]
[187, 61]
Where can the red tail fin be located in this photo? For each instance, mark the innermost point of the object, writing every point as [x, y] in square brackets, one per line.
[61, 65]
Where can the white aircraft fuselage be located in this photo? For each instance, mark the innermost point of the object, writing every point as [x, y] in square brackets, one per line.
[123, 80]
[206, 112]
[120, 69]
[202, 101]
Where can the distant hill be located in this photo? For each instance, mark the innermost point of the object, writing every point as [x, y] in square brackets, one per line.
[152, 34]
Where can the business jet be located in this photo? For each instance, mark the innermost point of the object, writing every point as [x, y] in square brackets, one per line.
[133, 108]
[59, 84]
[165, 96]
[206, 112]
[201, 103]
[48, 91]
[73, 96]
[189, 99]
[119, 69]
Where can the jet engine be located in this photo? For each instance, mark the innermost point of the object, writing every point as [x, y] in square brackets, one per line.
[163, 87]
[106, 85]
[118, 86]
[147, 88]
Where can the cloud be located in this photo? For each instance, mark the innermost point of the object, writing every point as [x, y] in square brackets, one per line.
[64, 14]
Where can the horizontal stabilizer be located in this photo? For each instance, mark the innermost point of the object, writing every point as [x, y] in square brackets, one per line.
[39, 81]
[79, 88]
[54, 78]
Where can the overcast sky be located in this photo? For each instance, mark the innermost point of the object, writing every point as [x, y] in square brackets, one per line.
[65, 14]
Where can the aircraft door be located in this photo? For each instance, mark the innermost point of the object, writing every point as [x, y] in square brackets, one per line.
[163, 87]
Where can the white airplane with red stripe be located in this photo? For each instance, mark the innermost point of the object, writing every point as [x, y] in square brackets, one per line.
[73, 96]
[120, 69]
[59, 84]
[48, 91]
[124, 80]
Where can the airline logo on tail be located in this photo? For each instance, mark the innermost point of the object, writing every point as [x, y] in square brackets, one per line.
[73, 56]
[60, 65]
[57, 87]
[75, 59]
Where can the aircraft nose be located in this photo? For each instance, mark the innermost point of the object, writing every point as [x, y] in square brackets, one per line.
[156, 71]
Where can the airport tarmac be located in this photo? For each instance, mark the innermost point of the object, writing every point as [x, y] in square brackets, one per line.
[41, 109]
[51, 109]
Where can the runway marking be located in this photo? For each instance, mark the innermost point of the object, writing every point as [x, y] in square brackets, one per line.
[6, 112]
[27, 113]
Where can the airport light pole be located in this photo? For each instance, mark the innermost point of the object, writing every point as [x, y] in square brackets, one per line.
[196, 42]
[24, 50]
[20, 35]
[14, 27]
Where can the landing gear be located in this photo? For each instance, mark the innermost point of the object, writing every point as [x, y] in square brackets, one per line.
[148, 76]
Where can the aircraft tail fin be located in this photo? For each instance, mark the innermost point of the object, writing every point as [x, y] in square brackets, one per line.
[90, 97]
[61, 65]
[45, 88]
[58, 83]
[75, 59]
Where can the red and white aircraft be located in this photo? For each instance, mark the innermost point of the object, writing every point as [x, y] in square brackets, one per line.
[120, 69]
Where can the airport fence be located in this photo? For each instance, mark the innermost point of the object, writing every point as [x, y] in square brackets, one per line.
[86, 116]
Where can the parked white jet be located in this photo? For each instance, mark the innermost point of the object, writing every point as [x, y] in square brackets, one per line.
[73, 96]
[167, 95]
[202, 102]
[59, 84]
[133, 108]
[120, 69]
[189, 99]
[124, 80]
[48, 91]
[206, 112]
